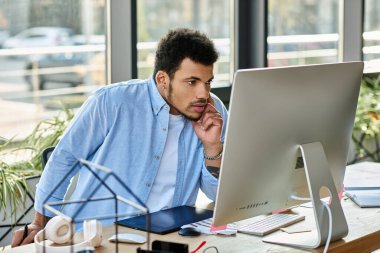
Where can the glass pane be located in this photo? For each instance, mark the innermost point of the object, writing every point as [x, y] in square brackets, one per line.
[52, 55]
[371, 35]
[156, 17]
[302, 32]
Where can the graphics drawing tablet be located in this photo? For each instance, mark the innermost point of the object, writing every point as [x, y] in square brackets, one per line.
[168, 220]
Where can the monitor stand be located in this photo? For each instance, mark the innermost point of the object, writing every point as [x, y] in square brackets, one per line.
[318, 175]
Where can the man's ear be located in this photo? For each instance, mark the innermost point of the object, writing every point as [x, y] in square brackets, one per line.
[162, 80]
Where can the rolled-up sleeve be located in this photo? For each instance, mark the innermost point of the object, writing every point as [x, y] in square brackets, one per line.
[209, 183]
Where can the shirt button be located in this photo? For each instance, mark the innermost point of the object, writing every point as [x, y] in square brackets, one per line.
[148, 184]
[166, 107]
[164, 129]
[156, 157]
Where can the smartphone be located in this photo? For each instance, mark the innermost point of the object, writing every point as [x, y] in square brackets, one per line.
[170, 247]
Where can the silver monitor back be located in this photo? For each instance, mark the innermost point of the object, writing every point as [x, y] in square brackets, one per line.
[272, 112]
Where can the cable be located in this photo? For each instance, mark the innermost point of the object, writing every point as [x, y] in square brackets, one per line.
[330, 219]
[211, 247]
[330, 227]
[299, 198]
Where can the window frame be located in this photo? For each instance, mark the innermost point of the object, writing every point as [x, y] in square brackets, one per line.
[248, 37]
[351, 23]
[121, 40]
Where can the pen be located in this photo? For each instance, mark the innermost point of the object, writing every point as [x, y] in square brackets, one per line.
[25, 233]
[198, 248]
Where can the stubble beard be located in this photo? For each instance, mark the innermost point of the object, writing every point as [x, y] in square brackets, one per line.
[169, 101]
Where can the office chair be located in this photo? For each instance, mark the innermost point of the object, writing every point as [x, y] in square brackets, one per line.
[45, 155]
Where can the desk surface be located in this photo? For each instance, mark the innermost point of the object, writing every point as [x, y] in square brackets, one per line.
[363, 236]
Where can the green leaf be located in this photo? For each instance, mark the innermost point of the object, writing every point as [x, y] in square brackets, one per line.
[12, 175]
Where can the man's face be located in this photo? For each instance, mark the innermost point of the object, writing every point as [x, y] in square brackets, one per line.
[188, 91]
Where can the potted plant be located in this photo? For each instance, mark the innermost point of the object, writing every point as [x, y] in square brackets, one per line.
[21, 166]
[367, 121]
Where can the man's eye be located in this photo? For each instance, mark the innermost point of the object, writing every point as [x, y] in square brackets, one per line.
[191, 82]
[209, 83]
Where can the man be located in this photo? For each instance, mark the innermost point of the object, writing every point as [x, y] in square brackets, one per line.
[162, 136]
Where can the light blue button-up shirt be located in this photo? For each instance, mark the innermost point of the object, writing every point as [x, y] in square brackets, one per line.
[124, 127]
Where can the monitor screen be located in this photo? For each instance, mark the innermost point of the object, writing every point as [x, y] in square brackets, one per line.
[273, 112]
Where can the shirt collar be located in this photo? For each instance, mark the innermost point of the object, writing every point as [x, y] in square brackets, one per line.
[155, 97]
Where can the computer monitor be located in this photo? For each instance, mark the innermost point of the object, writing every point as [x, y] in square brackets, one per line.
[276, 116]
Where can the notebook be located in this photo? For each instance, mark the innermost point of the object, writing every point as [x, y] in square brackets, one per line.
[365, 198]
[168, 220]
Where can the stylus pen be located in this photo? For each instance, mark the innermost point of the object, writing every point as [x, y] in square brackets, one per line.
[25, 233]
[199, 247]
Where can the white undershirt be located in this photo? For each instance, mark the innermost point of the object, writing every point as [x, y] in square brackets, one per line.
[161, 195]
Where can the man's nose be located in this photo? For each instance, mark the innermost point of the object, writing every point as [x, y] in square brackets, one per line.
[203, 91]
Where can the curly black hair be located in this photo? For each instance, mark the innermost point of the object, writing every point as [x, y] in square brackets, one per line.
[183, 43]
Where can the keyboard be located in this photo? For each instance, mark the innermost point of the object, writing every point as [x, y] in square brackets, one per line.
[270, 224]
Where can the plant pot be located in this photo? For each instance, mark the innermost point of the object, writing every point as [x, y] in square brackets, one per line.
[369, 146]
[24, 214]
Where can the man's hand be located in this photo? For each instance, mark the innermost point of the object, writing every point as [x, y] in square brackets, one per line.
[209, 131]
[18, 236]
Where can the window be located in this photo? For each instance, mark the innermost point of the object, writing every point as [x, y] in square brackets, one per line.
[52, 55]
[371, 35]
[53, 51]
[156, 17]
[302, 32]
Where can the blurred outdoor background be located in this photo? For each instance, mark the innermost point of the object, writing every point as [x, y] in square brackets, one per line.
[53, 52]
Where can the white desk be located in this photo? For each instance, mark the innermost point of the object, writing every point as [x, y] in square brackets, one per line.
[364, 236]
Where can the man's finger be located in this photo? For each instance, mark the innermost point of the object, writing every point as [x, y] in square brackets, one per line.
[211, 101]
[17, 238]
[29, 238]
[209, 108]
[212, 121]
[210, 115]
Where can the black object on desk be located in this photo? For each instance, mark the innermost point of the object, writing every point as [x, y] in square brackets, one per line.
[170, 246]
[166, 247]
[140, 250]
[168, 220]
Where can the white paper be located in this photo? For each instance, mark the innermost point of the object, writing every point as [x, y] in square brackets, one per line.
[204, 227]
